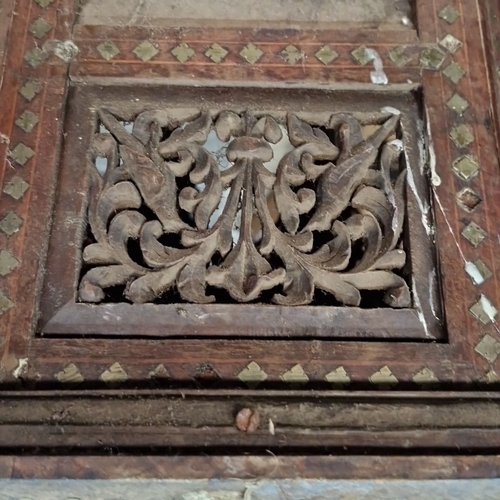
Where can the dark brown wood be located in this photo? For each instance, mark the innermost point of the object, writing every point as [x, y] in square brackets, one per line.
[6, 10]
[63, 267]
[190, 419]
[444, 73]
[192, 320]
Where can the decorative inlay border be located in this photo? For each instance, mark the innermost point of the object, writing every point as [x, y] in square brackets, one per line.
[453, 62]
[472, 225]
[34, 81]
[250, 54]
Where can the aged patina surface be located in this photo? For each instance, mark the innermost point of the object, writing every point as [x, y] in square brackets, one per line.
[72, 344]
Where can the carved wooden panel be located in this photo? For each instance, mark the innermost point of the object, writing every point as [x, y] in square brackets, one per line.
[268, 201]
[217, 205]
[238, 218]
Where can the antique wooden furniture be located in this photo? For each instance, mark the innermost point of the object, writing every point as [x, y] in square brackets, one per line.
[282, 214]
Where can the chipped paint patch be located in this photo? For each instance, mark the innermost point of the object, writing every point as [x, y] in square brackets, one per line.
[21, 368]
[473, 271]
[377, 76]
[488, 308]
[391, 110]
[65, 50]
[432, 296]
[435, 179]
[418, 306]
[422, 205]
[272, 429]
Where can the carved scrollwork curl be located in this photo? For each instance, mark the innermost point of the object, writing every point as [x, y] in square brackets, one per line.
[168, 216]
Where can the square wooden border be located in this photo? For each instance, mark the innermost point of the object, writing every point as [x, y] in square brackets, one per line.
[472, 353]
[61, 314]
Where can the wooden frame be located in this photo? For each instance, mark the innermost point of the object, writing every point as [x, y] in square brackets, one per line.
[36, 81]
[61, 314]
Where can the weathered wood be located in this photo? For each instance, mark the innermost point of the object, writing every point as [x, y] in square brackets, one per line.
[199, 412]
[443, 77]
[177, 320]
[160, 437]
[251, 467]
[374, 219]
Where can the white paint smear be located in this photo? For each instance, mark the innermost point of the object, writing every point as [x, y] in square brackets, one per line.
[377, 76]
[390, 109]
[23, 363]
[488, 308]
[473, 271]
[435, 179]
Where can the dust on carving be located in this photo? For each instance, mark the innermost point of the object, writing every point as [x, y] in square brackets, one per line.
[169, 215]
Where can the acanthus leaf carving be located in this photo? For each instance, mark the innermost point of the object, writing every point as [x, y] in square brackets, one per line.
[170, 216]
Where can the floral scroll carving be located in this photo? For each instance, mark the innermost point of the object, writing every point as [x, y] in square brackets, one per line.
[170, 215]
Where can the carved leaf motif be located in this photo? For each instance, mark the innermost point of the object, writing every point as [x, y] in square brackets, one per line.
[339, 182]
[167, 216]
[121, 196]
[167, 118]
[97, 279]
[157, 186]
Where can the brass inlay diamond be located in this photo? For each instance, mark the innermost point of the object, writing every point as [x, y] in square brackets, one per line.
[478, 271]
[399, 56]
[252, 375]
[383, 377]
[454, 72]
[489, 348]
[462, 135]
[44, 3]
[458, 104]
[16, 187]
[7, 263]
[425, 377]
[145, 51]
[468, 199]
[295, 376]
[483, 269]
[216, 53]
[474, 234]
[338, 376]
[5, 303]
[205, 372]
[108, 50]
[70, 374]
[251, 53]
[432, 58]
[361, 55]
[491, 377]
[449, 14]
[30, 89]
[11, 223]
[291, 54]
[326, 54]
[183, 52]
[160, 372]
[35, 57]
[450, 43]
[27, 121]
[115, 373]
[21, 154]
[40, 27]
[466, 167]
[484, 310]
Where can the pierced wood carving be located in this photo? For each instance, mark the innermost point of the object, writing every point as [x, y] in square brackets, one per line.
[206, 206]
